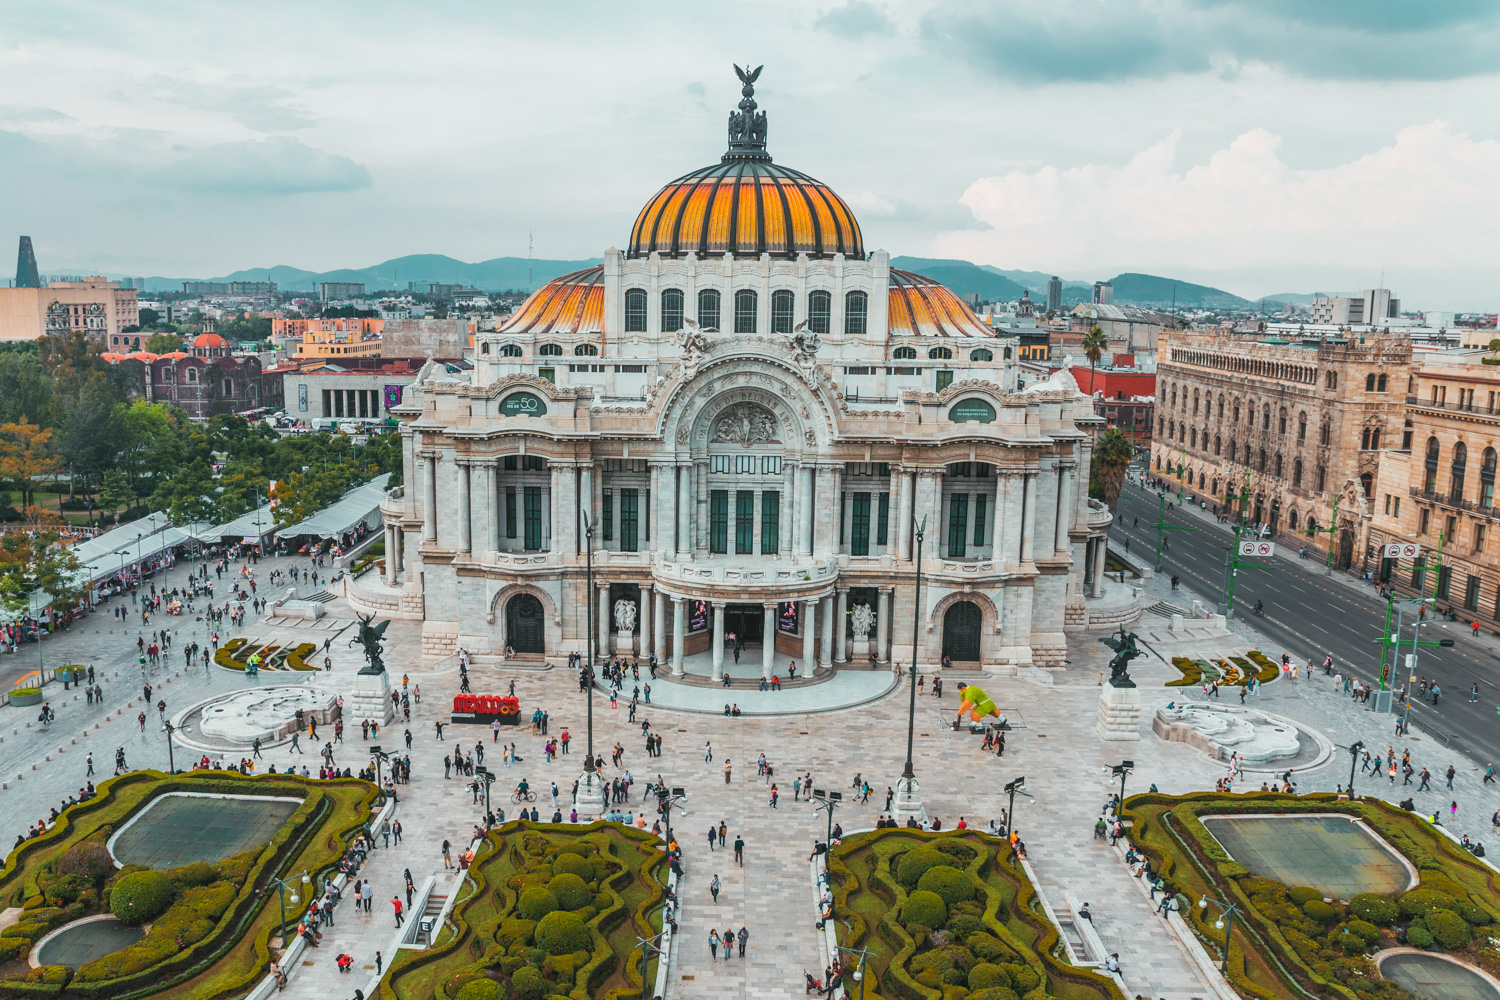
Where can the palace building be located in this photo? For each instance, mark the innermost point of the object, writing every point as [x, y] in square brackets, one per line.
[745, 423]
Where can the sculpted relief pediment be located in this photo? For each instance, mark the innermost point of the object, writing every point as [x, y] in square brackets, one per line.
[744, 423]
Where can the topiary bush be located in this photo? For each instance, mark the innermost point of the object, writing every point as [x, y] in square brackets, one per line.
[1418, 936]
[1375, 908]
[1322, 912]
[961, 926]
[1023, 978]
[529, 984]
[915, 862]
[1418, 901]
[481, 989]
[985, 975]
[1302, 894]
[925, 908]
[952, 885]
[571, 891]
[561, 932]
[536, 904]
[140, 897]
[568, 863]
[88, 859]
[1448, 928]
[1365, 931]
[993, 993]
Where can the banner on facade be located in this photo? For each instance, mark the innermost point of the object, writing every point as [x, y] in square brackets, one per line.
[393, 395]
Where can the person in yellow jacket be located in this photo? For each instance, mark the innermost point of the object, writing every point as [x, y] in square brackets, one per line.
[975, 702]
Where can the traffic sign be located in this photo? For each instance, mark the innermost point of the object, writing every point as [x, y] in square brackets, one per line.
[1257, 548]
[1403, 550]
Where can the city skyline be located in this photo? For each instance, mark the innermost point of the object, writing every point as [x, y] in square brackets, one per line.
[1071, 139]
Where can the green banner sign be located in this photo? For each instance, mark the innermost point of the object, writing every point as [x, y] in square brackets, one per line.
[529, 404]
[971, 410]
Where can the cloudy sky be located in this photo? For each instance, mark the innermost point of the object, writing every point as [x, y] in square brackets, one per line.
[1266, 146]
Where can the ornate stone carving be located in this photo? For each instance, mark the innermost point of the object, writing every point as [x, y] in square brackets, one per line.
[683, 433]
[861, 620]
[744, 423]
[803, 344]
[624, 616]
[811, 437]
[693, 343]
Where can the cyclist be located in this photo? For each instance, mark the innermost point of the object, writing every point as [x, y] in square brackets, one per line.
[523, 789]
[1259, 607]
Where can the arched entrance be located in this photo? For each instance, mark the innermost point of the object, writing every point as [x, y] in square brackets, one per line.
[525, 624]
[961, 629]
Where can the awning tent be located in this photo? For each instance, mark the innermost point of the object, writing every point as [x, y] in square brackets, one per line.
[359, 504]
[255, 525]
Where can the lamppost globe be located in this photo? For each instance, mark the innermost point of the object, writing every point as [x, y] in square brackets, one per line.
[1218, 925]
[1202, 904]
[293, 897]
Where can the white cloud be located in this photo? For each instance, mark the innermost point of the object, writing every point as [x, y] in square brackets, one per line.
[1427, 197]
[277, 165]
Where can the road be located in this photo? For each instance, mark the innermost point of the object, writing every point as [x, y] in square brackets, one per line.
[1311, 615]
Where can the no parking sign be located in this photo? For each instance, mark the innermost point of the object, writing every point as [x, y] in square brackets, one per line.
[1403, 550]
[1260, 549]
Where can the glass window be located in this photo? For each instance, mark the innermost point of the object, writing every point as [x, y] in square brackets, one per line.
[859, 531]
[944, 380]
[718, 463]
[533, 518]
[635, 310]
[980, 500]
[939, 354]
[708, 309]
[819, 310]
[586, 351]
[856, 308]
[608, 515]
[1471, 594]
[781, 311]
[882, 521]
[770, 522]
[958, 524]
[510, 510]
[671, 310]
[718, 521]
[904, 353]
[770, 465]
[744, 464]
[550, 350]
[744, 521]
[746, 302]
[983, 354]
[1418, 572]
[629, 519]
[509, 350]
[550, 374]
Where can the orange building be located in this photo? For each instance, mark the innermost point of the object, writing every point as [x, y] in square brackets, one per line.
[352, 337]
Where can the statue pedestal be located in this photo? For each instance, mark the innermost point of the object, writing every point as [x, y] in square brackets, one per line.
[590, 804]
[1119, 713]
[908, 802]
[624, 642]
[859, 651]
[371, 700]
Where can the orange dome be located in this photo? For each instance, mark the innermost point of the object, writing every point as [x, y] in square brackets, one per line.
[210, 340]
[573, 303]
[177, 355]
[112, 357]
[919, 306]
[142, 355]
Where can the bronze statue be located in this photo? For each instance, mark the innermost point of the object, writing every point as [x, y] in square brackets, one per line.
[1125, 651]
[371, 638]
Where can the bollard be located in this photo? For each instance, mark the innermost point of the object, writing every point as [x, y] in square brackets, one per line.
[44, 759]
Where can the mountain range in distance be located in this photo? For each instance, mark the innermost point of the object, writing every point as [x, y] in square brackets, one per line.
[964, 277]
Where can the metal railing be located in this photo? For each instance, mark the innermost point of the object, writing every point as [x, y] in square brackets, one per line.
[1455, 407]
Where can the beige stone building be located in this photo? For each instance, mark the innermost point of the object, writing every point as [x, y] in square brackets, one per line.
[99, 308]
[741, 421]
[1305, 421]
[1439, 487]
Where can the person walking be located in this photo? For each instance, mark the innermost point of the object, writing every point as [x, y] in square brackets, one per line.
[744, 936]
[773, 796]
[447, 856]
[396, 905]
[713, 887]
[713, 835]
[713, 944]
[726, 770]
[739, 850]
[1449, 774]
[708, 753]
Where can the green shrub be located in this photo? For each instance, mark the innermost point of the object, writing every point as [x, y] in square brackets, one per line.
[962, 925]
[561, 932]
[1322, 912]
[1304, 893]
[536, 904]
[925, 908]
[988, 948]
[1377, 909]
[1473, 914]
[568, 863]
[529, 983]
[571, 891]
[196, 874]
[1350, 944]
[1418, 901]
[516, 932]
[481, 989]
[953, 977]
[1365, 931]
[993, 993]
[1450, 930]
[140, 897]
[1418, 936]
[88, 859]
[985, 975]
[1023, 978]
[951, 885]
[915, 862]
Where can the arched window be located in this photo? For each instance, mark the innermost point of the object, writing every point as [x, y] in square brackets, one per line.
[1278, 465]
[904, 354]
[192, 375]
[1296, 477]
[1171, 429]
[708, 308]
[819, 311]
[484, 348]
[939, 354]
[168, 375]
[1456, 472]
[550, 350]
[1291, 520]
[1324, 432]
[1158, 424]
[1322, 478]
[510, 350]
[1364, 440]
[1216, 444]
[1487, 478]
[1366, 482]
[1195, 402]
[1221, 407]
[1375, 439]
[1430, 463]
[1281, 423]
[856, 308]
[671, 310]
[1301, 427]
[1193, 437]
[981, 354]
[782, 302]
[1262, 465]
[635, 310]
[1380, 384]
[1265, 419]
[1370, 382]
[586, 351]
[746, 302]
[1233, 450]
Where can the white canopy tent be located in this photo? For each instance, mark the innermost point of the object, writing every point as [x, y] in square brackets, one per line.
[357, 505]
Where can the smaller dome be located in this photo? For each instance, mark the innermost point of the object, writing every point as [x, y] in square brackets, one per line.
[112, 357]
[176, 355]
[573, 303]
[210, 340]
[922, 307]
[146, 356]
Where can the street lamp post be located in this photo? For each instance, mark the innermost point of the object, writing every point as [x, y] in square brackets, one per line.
[828, 802]
[379, 755]
[1120, 770]
[283, 885]
[1224, 923]
[859, 968]
[487, 776]
[169, 729]
[590, 785]
[1354, 751]
[908, 791]
[667, 799]
[1011, 788]
[645, 945]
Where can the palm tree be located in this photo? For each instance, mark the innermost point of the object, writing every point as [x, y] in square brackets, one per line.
[1112, 455]
[1095, 343]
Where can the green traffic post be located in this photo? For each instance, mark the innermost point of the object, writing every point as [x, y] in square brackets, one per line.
[1331, 529]
[1232, 562]
[1162, 525]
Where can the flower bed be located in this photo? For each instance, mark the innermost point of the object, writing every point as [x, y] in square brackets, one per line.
[949, 918]
[209, 924]
[1231, 672]
[550, 910]
[235, 655]
[1293, 941]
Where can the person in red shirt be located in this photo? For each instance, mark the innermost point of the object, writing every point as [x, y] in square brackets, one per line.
[396, 905]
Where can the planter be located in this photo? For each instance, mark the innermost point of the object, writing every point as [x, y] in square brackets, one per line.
[21, 697]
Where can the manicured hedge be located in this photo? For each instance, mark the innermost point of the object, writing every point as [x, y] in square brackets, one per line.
[235, 655]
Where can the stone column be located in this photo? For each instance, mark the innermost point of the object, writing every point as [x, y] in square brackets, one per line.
[788, 513]
[492, 505]
[1064, 502]
[390, 556]
[903, 518]
[1101, 547]
[809, 636]
[643, 623]
[1028, 516]
[805, 512]
[554, 509]
[684, 511]
[1008, 520]
[659, 620]
[700, 507]
[718, 640]
[603, 619]
[665, 496]
[823, 527]
[679, 633]
[883, 626]
[585, 505]
[1088, 567]
[465, 508]
[768, 640]
[429, 498]
[825, 653]
[840, 633]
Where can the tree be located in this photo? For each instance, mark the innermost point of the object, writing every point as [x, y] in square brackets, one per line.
[25, 388]
[1112, 455]
[1095, 343]
[164, 343]
[149, 318]
[37, 562]
[26, 455]
[115, 492]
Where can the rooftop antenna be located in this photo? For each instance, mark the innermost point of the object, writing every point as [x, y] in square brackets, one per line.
[530, 245]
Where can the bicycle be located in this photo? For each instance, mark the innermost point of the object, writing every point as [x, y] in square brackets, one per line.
[518, 797]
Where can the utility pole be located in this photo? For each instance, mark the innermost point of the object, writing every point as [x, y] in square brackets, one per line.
[1331, 530]
[1162, 525]
[1181, 471]
[1232, 564]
